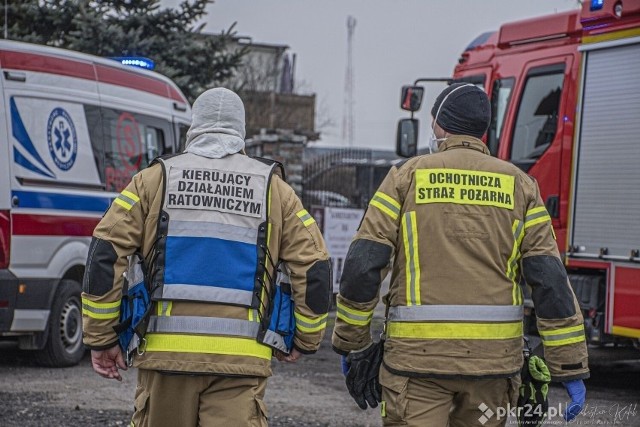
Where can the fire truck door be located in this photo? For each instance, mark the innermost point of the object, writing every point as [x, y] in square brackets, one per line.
[537, 128]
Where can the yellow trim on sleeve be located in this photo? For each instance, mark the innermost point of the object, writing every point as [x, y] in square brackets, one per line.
[386, 204]
[353, 316]
[563, 336]
[100, 311]
[384, 209]
[306, 319]
[388, 198]
[100, 316]
[536, 210]
[130, 195]
[309, 325]
[101, 305]
[562, 331]
[305, 217]
[545, 218]
[122, 203]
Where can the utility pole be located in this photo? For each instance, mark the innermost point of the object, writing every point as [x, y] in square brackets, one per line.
[348, 118]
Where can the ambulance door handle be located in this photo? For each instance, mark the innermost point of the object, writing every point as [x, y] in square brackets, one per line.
[15, 201]
[16, 76]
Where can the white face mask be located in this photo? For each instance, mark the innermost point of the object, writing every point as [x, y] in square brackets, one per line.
[434, 142]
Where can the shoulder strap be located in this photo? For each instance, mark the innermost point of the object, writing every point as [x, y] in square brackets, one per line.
[163, 157]
[278, 168]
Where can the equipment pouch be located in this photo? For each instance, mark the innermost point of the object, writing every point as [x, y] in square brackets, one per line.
[135, 308]
[282, 323]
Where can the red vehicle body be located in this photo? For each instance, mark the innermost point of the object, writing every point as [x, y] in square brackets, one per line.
[565, 94]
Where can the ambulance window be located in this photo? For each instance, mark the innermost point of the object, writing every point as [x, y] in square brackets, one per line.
[154, 142]
[94, 125]
[131, 141]
[182, 136]
[537, 119]
[500, 96]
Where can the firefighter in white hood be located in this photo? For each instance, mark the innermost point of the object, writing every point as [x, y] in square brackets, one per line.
[213, 225]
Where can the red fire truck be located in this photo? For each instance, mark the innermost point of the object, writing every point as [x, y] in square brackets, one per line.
[565, 96]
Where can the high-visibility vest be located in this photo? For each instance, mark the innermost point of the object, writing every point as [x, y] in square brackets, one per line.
[212, 246]
[212, 230]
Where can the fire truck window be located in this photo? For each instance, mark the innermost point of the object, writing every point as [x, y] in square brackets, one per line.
[537, 119]
[132, 141]
[500, 96]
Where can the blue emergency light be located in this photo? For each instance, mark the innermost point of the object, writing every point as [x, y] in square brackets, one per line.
[597, 4]
[136, 61]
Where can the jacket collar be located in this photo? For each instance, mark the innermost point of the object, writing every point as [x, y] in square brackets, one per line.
[463, 141]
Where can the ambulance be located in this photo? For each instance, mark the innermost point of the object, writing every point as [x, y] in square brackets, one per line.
[74, 129]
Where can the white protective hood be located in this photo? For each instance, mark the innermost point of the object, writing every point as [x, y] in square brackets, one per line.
[217, 127]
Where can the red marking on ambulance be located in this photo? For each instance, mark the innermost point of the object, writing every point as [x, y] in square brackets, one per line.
[53, 225]
[129, 142]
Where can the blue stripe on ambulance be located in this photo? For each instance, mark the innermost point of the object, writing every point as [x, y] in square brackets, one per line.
[26, 163]
[67, 202]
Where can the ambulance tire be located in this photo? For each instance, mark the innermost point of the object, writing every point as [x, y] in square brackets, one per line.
[64, 345]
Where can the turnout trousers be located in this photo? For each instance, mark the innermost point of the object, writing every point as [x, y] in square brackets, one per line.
[411, 401]
[166, 399]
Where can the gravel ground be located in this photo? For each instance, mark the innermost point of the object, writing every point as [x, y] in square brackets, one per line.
[308, 393]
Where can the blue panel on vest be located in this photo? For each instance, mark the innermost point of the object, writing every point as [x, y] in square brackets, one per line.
[210, 262]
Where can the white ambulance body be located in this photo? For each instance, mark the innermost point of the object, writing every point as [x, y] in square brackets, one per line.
[74, 129]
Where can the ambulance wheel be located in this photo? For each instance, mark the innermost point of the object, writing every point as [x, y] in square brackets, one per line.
[64, 345]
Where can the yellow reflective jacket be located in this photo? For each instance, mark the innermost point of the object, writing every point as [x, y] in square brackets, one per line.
[460, 226]
[131, 224]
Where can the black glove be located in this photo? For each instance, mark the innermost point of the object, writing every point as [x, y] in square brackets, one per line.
[532, 400]
[362, 377]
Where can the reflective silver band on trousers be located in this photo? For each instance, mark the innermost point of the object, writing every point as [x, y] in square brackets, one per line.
[213, 230]
[179, 292]
[490, 313]
[203, 325]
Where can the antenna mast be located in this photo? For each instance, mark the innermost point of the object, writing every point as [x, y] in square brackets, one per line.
[348, 118]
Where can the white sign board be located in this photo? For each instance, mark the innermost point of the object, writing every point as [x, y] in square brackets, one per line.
[340, 226]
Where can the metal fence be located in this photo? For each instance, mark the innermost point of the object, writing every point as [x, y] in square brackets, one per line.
[341, 178]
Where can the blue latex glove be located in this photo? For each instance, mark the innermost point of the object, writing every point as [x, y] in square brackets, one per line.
[577, 392]
[345, 365]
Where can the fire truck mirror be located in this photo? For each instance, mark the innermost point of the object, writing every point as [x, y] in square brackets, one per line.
[411, 99]
[407, 138]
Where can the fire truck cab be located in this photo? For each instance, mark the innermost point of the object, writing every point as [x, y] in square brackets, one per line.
[565, 99]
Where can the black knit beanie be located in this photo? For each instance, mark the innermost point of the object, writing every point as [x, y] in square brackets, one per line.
[466, 111]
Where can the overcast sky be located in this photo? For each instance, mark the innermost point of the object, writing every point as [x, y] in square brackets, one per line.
[395, 42]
